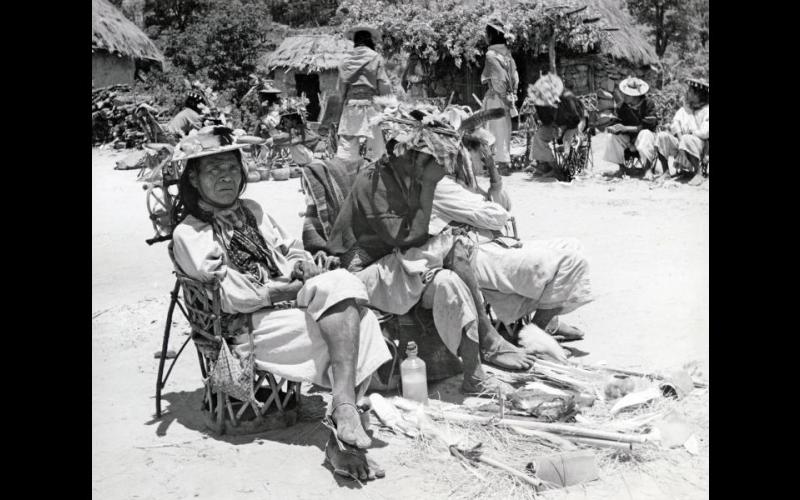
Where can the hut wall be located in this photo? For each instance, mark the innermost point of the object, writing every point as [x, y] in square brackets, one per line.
[108, 69]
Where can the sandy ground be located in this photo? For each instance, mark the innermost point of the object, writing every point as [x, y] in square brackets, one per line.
[647, 245]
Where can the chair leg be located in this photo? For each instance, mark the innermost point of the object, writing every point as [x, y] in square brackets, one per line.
[164, 346]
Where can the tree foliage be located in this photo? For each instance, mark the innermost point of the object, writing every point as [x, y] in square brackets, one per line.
[672, 22]
[436, 30]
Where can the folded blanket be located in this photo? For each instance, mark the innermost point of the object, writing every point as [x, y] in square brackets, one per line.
[328, 182]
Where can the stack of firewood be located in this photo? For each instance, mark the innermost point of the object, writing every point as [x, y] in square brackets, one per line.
[114, 117]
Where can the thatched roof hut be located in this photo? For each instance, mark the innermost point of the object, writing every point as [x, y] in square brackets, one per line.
[629, 42]
[307, 63]
[117, 45]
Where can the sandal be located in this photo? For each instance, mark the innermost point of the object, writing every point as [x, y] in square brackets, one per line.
[349, 455]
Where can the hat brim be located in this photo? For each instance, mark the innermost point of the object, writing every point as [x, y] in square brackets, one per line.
[642, 90]
[497, 26]
[270, 91]
[181, 156]
[374, 32]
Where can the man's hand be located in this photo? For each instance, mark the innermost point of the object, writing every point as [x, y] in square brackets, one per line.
[305, 270]
[614, 129]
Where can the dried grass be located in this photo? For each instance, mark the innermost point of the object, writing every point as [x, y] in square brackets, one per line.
[672, 469]
[309, 53]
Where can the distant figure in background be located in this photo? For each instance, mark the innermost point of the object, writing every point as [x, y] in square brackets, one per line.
[561, 114]
[190, 117]
[362, 76]
[414, 79]
[687, 139]
[272, 106]
[637, 127]
[501, 80]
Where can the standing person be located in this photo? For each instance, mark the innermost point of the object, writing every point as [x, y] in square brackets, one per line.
[331, 339]
[637, 127]
[561, 114]
[272, 106]
[190, 117]
[687, 138]
[362, 76]
[501, 80]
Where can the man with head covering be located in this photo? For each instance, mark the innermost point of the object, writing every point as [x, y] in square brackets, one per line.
[190, 117]
[636, 128]
[501, 80]
[561, 114]
[362, 76]
[331, 339]
[687, 139]
[272, 107]
[382, 235]
[546, 278]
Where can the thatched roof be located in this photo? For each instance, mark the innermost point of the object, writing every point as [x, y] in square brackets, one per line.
[309, 53]
[630, 42]
[113, 32]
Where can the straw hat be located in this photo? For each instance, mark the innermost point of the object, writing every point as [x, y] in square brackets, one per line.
[546, 91]
[374, 32]
[698, 83]
[498, 24]
[269, 89]
[211, 141]
[633, 86]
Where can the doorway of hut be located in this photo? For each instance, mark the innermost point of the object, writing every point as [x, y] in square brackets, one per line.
[309, 85]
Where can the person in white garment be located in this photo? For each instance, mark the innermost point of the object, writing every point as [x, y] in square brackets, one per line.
[687, 138]
[332, 339]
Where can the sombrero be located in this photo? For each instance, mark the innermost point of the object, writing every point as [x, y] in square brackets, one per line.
[211, 141]
[633, 86]
[374, 32]
[546, 91]
[497, 23]
[698, 83]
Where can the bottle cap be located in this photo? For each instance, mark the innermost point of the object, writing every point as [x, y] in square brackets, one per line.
[411, 348]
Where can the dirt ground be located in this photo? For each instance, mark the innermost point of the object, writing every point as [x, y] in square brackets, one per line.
[647, 245]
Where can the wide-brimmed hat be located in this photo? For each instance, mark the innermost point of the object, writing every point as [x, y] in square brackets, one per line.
[546, 91]
[633, 86]
[698, 83]
[211, 141]
[498, 24]
[373, 31]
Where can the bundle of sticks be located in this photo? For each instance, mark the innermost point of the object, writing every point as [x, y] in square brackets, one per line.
[115, 120]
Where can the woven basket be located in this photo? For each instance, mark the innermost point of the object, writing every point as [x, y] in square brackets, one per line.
[253, 177]
[264, 173]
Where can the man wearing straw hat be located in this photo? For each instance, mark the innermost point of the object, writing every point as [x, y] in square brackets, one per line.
[501, 80]
[272, 105]
[362, 76]
[637, 127]
[190, 117]
[330, 339]
[687, 139]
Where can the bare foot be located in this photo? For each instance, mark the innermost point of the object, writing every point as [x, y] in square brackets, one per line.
[352, 463]
[696, 180]
[648, 175]
[505, 355]
[349, 426]
[488, 386]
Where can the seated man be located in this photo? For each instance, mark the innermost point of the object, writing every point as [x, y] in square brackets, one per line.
[561, 114]
[636, 130]
[332, 340]
[687, 138]
[381, 234]
[190, 117]
[548, 277]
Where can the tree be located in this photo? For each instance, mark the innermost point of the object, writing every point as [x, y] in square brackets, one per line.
[670, 21]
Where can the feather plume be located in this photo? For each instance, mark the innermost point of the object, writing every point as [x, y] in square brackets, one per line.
[481, 117]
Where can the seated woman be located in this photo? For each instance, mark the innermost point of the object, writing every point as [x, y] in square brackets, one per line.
[687, 138]
[546, 277]
[331, 340]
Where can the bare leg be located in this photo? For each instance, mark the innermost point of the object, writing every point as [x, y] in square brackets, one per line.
[339, 326]
[496, 349]
[475, 379]
[664, 164]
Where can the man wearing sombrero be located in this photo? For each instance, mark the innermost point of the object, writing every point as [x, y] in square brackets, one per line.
[362, 76]
[272, 105]
[330, 339]
[687, 139]
[636, 129]
[190, 117]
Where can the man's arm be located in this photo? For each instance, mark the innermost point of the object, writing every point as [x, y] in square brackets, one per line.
[457, 203]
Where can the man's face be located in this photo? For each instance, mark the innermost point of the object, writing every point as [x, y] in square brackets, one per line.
[632, 100]
[692, 99]
[218, 179]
